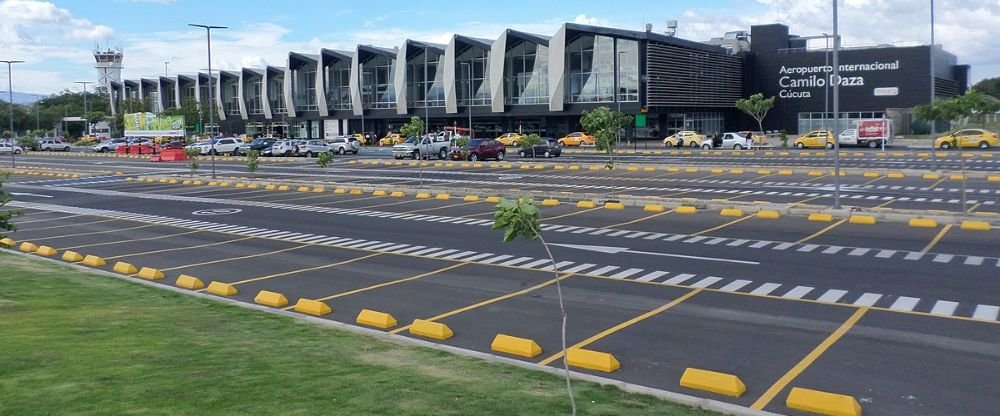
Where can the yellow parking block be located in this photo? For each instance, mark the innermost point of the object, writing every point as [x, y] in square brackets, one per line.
[357, 191]
[312, 307]
[718, 170]
[966, 225]
[93, 261]
[522, 347]
[443, 197]
[993, 178]
[815, 173]
[931, 176]
[764, 172]
[715, 382]
[303, 189]
[150, 273]
[430, 329]
[820, 217]
[614, 205]
[72, 256]
[731, 212]
[270, 187]
[45, 251]
[493, 199]
[375, 319]
[823, 403]
[550, 202]
[653, 208]
[785, 172]
[586, 204]
[872, 174]
[221, 289]
[768, 214]
[397, 194]
[923, 223]
[957, 177]
[189, 282]
[686, 209]
[896, 175]
[690, 170]
[471, 198]
[592, 360]
[862, 219]
[283, 188]
[27, 247]
[319, 189]
[423, 195]
[124, 268]
[272, 299]
[340, 191]
[379, 193]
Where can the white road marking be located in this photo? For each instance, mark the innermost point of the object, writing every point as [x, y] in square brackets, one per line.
[798, 292]
[868, 299]
[651, 276]
[765, 289]
[832, 296]
[706, 282]
[944, 308]
[986, 312]
[681, 278]
[904, 303]
[735, 285]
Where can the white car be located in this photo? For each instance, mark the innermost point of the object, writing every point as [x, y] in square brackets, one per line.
[48, 145]
[312, 148]
[221, 145]
[285, 148]
[109, 145]
[344, 144]
[737, 141]
[5, 147]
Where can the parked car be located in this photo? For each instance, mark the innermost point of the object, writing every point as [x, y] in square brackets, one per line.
[547, 147]
[684, 138]
[344, 144]
[968, 138]
[285, 148]
[49, 144]
[258, 144]
[220, 145]
[510, 139]
[480, 149]
[422, 148]
[577, 139]
[312, 148]
[814, 139]
[734, 140]
[7, 147]
[109, 145]
[392, 139]
[140, 141]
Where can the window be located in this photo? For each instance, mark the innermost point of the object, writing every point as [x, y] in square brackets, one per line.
[417, 86]
[253, 96]
[591, 68]
[526, 74]
[338, 90]
[276, 94]
[304, 87]
[476, 60]
[377, 76]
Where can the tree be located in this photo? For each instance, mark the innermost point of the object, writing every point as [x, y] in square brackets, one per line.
[756, 106]
[324, 159]
[521, 219]
[413, 128]
[529, 142]
[989, 86]
[253, 160]
[5, 216]
[959, 109]
[604, 124]
[192, 154]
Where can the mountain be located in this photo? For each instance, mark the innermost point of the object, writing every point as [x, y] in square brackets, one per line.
[22, 97]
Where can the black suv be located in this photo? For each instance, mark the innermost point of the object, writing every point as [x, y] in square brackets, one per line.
[547, 147]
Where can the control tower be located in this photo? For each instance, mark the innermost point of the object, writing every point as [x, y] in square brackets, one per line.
[109, 66]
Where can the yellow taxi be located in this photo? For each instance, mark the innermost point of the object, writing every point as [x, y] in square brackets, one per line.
[361, 138]
[577, 139]
[814, 139]
[391, 139]
[510, 139]
[684, 138]
[968, 138]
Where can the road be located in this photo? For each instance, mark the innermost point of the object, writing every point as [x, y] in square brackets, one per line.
[903, 319]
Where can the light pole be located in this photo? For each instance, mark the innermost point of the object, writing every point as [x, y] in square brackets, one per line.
[361, 90]
[618, 75]
[86, 121]
[836, 108]
[933, 126]
[469, 80]
[38, 124]
[165, 73]
[427, 120]
[10, 106]
[211, 113]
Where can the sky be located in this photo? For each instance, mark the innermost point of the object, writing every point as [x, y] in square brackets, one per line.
[57, 38]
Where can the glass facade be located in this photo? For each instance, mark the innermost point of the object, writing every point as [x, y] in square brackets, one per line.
[337, 78]
[304, 87]
[476, 60]
[230, 96]
[591, 70]
[276, 94]
[526, 74]
[824, 121]
[253, 91]
[169, 96]
[416, 85]
[187, 93]
[377, 77]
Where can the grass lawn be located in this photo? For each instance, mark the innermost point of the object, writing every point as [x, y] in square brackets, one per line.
[75, 343]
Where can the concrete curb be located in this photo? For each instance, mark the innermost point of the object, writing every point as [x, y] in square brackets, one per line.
[679, 398]
[801, 210]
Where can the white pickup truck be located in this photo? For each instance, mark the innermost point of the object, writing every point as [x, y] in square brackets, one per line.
[422, 148]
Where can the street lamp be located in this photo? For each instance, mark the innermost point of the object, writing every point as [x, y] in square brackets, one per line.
[361, 90]
[836, 108]
[10, 105]
[165, 72]
[469, 80]
[211, 113]
[933, 126]
[86, 121]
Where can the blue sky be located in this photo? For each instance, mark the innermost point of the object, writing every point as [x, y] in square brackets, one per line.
[57, 37]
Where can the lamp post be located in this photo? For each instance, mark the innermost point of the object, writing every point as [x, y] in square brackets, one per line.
[427, 121]
[836, 108]
[211, 113]
[165, 72]
[361, 90]
[618, 75]
[86, 120]
[10, 105]
[933, 126]
[38, 123]
[469, 80]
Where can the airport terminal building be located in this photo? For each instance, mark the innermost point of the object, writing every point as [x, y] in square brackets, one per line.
[535, 83]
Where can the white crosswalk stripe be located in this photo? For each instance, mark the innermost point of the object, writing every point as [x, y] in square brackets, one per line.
[904, 303]
[735, 285]
[831, 296]
[986, 312]
[626, 273]
[681, 278]
[798, 292]
[649, 277]
[944, 308]
[765, 289]
[868, 299]
[603, 270]
[706, 282]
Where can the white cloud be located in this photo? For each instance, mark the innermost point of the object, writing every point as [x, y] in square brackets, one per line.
[151, 1]
[589, 20]
[29, 21]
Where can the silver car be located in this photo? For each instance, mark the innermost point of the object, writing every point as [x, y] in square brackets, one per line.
[285, 148]
[312, 148]
[344, 144]
[6, 147]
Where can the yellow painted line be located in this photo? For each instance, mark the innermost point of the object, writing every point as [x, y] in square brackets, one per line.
[884, 204]
[94, 232]
[719, 227]
[623, 325]
[64, 225]
[389, 204]
[821, 232]
[131, 240]
[873, 180]
[490, 301]
[347, 200]
[802, 365]
[302, 198]
[975, 207]
[807, 200]
[307, 269]
[440, 207]
[269, 253]
[936, 239]
[935, 184]
[572, 213]
[386, 284]
[478, 215]
[648, 217]
[817, 178]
